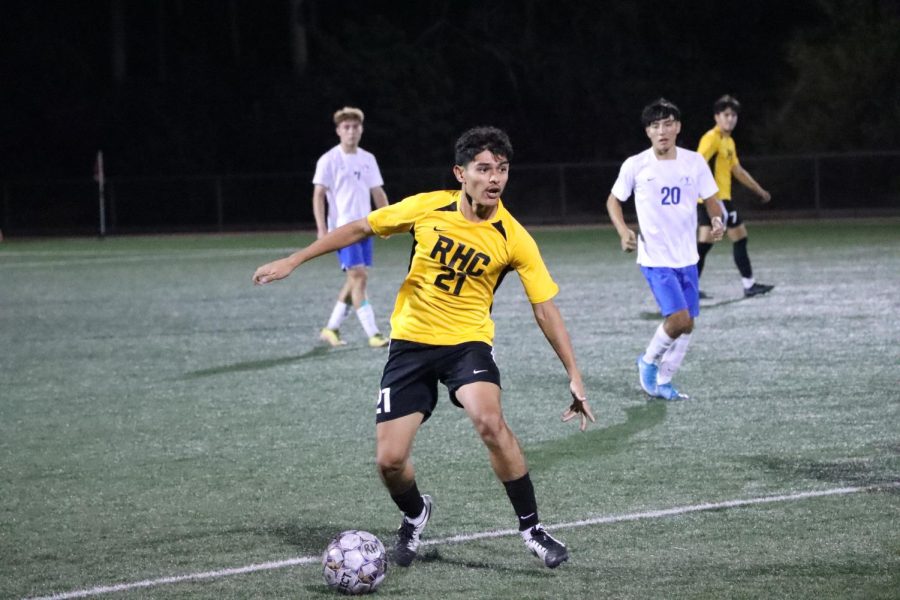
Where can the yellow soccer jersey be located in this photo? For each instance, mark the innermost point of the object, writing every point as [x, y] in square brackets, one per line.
[455, 267]
[713, 143]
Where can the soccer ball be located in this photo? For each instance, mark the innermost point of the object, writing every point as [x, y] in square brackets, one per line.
[354, 562]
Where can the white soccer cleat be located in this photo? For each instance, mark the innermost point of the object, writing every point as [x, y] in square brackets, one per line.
[545, 546]
[408, 536]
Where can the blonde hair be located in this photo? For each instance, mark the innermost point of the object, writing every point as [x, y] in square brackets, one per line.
[348, 113]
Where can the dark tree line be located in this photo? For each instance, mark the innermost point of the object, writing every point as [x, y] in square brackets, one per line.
[202, 86]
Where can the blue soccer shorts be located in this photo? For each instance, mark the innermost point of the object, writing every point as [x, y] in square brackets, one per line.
[356, 255]
[674, 289]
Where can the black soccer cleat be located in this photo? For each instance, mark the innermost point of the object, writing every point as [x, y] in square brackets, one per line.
[408, 536]
[705, 296]
[758, 289]
[545, 546]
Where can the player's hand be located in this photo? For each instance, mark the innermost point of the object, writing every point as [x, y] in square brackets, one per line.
[629, 241]
[579, 406]
[718, 228]
[766, 196]
[272, 271]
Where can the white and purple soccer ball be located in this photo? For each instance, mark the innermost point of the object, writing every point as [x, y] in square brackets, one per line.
[354, 562]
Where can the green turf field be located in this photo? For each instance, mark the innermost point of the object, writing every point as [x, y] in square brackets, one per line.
[164, 422]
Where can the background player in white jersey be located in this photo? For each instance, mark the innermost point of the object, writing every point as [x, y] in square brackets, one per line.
[348, 179]
[666, 181]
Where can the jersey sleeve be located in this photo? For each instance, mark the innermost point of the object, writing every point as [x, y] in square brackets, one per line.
[323, 175]
[527, 261]
[374, 174]
[706, 183]
[707, 146]
[397, 218]
[624, 185]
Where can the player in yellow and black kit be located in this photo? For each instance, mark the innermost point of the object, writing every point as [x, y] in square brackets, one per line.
[719, 144]
[464, 243]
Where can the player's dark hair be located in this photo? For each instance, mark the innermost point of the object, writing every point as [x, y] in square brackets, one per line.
[476, 140]
[659, 109]
[725, 102]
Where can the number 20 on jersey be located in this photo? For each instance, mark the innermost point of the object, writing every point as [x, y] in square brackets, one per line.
[671, 195]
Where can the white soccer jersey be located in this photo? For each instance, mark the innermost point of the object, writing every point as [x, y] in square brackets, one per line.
[665, 196]
[348, 179]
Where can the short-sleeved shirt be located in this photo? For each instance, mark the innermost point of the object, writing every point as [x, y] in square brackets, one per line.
[348, 179]
[455, 267]
[722, 147]
[665, 193]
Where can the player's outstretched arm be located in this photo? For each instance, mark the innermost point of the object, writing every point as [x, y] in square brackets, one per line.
[554, 328]
[334, 240]
[742, 175]
[627, 236]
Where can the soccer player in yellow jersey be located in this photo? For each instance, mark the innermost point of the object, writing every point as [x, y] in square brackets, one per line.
[718, 143]
[464, 243]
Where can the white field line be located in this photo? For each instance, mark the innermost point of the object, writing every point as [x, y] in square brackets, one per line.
[92, 258]
[303, 560]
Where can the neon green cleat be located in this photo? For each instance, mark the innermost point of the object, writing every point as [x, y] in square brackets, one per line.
[378, 341]
[332, 337]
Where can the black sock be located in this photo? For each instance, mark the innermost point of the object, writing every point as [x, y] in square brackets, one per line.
[521, 494]
[702, 249]
[742, 259]
[410, 502]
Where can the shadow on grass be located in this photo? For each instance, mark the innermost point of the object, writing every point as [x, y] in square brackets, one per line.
[403, 582]
[851, 471]
[311, 539]
[608, 440]
[257, 365]
[650, 315]
[433, 555]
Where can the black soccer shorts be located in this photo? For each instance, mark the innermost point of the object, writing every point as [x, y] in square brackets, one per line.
[413, 370]
[732, 216]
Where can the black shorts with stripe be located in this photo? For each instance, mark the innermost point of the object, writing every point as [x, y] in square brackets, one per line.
[413, 370]
[732, 216]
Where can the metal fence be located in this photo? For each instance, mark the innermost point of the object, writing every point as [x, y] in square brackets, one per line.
[817, 185]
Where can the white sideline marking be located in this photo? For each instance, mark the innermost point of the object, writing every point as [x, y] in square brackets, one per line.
[302, 560]
[147, 583]
[93, 258]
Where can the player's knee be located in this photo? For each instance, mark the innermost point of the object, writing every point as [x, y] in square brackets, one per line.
[491, 427]
[389, 464]
[679, 323]
[358, 274]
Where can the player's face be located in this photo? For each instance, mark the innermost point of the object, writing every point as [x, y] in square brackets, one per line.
[663, 133]
[727, 120]
[350, 132]
[484, 178]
